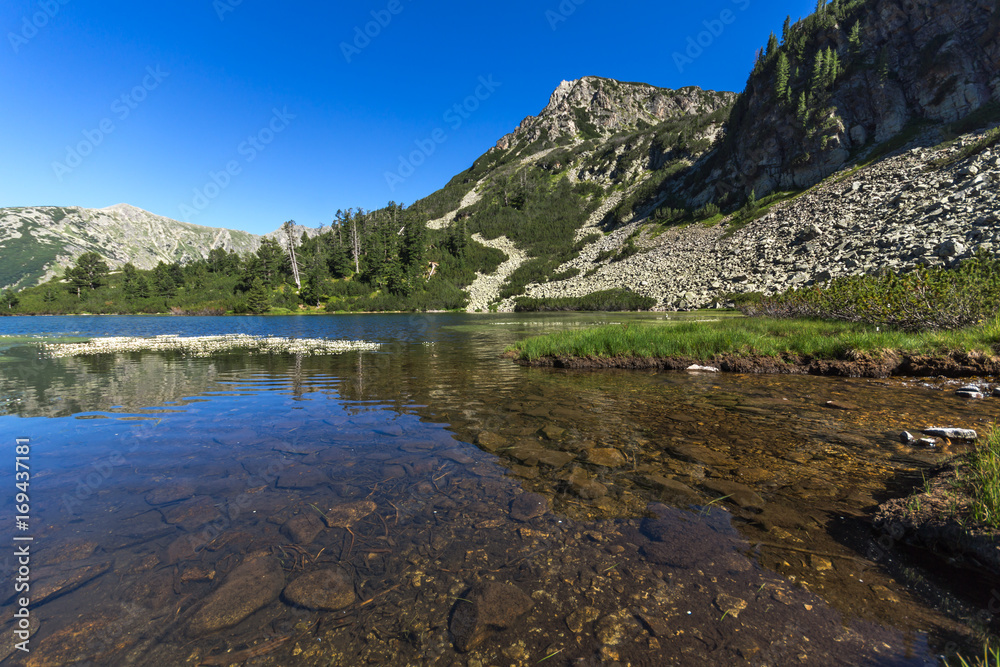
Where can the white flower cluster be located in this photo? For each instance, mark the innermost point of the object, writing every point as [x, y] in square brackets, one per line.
[202, 346]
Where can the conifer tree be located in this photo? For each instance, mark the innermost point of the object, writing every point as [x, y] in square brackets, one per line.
[855, 40]
[802, 112]
[816, 82]
[820, 6]
[786, 30]
[882, 66]
[772, 45]
[10, 299]
[258, 298]
[781, 81]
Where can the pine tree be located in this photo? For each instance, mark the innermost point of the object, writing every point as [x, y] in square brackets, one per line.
[135, 285]
[258, 298]
[855, 41]
[163, 281]
[835, 67]
[90, 271]
[10, 298]
[786, 30]
[882, 66]
[458, 240]
[272, 257]
[772, 45]
[820, 6]
[781, 80]
[816, 83]
[802, 112]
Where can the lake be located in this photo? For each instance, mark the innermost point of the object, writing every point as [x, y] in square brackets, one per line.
[432, 503]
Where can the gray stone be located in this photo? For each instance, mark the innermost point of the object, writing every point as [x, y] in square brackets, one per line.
[951, 433]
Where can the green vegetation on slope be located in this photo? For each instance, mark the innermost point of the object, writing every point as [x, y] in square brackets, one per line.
[938, 298]
[608, 301]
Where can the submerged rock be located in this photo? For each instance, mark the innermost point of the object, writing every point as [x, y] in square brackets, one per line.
[484, 610]
[326, 590]
[606, 457]
[303, 528]
[528, 506]
[348, 514]
[255, 583]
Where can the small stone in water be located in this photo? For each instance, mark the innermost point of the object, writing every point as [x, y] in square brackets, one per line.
[951, 433]
[968, 394]
[906, 437]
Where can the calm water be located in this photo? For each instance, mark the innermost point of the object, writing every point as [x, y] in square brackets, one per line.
[679, 519]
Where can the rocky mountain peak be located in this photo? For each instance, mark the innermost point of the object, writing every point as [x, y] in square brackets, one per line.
[593, 107]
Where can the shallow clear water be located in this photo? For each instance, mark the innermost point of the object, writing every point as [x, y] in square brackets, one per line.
[688, 519]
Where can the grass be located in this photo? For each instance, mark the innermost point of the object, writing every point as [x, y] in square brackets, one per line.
[984, 479]
[991, 658]
[751, 336]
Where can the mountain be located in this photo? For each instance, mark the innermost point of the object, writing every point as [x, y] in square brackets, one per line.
[865, 139]
[856, 74]
[859, 144]
[36, 243]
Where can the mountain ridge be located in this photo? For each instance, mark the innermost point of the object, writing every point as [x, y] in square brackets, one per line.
[38, 242]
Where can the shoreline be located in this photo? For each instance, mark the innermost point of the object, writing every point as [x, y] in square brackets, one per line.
[953, 364]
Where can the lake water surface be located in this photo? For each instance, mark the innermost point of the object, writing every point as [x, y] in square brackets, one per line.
[432, 503]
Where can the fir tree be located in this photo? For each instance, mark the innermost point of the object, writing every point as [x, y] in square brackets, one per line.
[882, 66]
[772, 45]
[786, 30]
[272, 257]
[258, 298]
[135, 285]
[819, 68]
[802, 111]
[820, 6]
[781, 80]
[163, 281]
[855, 41]
[90, 271]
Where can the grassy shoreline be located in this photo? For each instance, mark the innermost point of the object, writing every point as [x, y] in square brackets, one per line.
[794, 342]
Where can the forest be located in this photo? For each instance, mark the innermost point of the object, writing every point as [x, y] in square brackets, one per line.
[383, 260]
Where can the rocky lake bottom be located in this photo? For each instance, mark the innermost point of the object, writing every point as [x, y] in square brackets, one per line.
[432, 503]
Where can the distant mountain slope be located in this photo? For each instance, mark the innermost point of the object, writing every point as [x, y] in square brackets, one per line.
[36, 243]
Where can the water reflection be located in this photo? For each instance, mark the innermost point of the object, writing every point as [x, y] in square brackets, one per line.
[686, 518]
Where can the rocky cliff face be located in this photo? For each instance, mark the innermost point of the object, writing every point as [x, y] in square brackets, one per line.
[913, 60]
[37, 243]
[896, 214]
[593, 107]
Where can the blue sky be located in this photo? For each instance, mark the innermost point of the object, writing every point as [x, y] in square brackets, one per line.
[247, 113]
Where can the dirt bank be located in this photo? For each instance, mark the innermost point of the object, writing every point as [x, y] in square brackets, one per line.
[888, 364]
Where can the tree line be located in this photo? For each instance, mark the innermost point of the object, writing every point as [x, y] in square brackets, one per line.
[385, 259]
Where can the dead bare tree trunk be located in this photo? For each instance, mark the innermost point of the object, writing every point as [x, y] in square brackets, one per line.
[289, 228]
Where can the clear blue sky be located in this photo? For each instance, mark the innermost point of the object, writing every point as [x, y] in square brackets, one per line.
[190, 88]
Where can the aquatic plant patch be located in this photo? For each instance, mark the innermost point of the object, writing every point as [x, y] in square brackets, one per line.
[207, 345]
